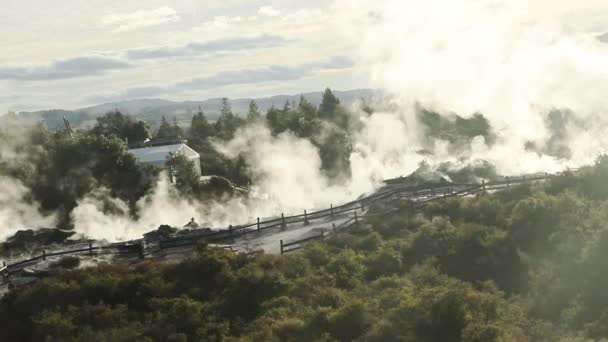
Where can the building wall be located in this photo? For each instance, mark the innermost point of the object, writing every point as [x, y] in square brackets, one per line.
[186, 151]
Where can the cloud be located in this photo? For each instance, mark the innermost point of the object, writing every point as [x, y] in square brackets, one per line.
[63, 69]
[273, 73]
[603, 38]
[339, 62]
[268, 11]
[206, 48]
[247, 76]
[130, 93]
[140, 19]
[221, 22]
[266, 74]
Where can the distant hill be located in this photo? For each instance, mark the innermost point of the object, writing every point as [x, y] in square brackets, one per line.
[152, 110]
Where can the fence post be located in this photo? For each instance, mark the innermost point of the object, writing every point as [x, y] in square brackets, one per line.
[306, 223]
[141, 249]
[281, 246]
[334, 225]
[90, 249]
[483, 184]
[331, 208]
[356, 219]
[283, 225]
[258, 224]
[5, 275]
[43, 254]
[230, 230]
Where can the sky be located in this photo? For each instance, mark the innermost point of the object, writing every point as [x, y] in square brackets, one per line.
[74, 53]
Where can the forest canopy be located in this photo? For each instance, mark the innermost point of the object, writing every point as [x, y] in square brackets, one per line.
[522, 264]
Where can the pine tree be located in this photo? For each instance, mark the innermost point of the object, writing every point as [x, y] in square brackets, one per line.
[227, 124]
[307, 109]
[177, 131]
[226, 107]
[329, 105]
[200, 127]
[254, 112]
[165, 130]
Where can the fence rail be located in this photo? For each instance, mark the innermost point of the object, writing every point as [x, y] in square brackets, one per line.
[421, 195]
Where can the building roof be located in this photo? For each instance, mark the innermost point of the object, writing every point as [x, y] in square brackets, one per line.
[160, 153]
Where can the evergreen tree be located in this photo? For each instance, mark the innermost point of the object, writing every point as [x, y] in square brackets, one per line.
[274, 117]
[177, 131]
[329, 105]
[254, 112]
[200, 128]
[307, 109]
[227, 124]
[226, 107]
[165, 130]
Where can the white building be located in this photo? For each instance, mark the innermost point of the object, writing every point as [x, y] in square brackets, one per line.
[157, 155]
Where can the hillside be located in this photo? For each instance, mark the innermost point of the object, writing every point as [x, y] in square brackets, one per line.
[151, 110]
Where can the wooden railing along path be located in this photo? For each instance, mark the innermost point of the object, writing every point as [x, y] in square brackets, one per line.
[418, 195]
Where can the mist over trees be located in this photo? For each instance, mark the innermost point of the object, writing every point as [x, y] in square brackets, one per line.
[60, 170]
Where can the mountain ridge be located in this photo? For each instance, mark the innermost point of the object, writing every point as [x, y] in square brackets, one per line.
[152, 110]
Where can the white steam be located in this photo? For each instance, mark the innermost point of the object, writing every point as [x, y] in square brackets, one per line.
[511, 60]
[15, 212]
[163, 205]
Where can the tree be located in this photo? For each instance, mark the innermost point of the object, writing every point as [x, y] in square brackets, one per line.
[276, 120]
[226, 107]
[122, 126]
[177, 131]
[200, 127]
[254, 112]
[329, 105]
[167, 130]
[335, 149]
[184, 173]
[227, 124]
[307, 109]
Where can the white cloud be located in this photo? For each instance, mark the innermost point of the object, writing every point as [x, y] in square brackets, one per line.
[303, 14]
[139, 19]
[268, 11]
[222, 22]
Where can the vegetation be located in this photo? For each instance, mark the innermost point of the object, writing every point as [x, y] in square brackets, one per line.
[524, 264]
[59, 169]
[456, 130]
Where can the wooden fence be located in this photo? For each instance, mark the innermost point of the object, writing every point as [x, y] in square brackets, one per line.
[420, 198]
[419, 195]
